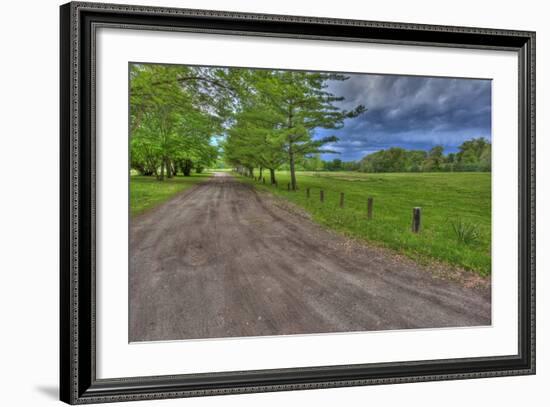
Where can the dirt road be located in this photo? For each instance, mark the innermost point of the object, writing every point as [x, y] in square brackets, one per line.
[219, 260]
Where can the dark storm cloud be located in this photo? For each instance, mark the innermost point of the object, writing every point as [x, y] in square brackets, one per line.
[410, 112]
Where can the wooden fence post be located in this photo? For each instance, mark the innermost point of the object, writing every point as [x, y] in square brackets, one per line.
[307, 192]
[416, 220]
[369, 208]
[341, 199]
[322, 196]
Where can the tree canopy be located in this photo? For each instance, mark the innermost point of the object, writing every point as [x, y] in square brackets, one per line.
[277, 122]
[473, 155]
[174, 113]
[268, 117]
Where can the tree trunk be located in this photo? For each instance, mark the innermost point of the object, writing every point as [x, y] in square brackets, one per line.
[261, 171]
[152, 168]
[161, 177]
[251, 172]
[291, 151]
[292, 168]
[272, 175]
[187, 164]
[169, 172]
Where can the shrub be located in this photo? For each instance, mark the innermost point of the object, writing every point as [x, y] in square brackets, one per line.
[466, 232]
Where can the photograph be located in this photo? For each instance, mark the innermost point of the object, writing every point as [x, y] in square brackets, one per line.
[268, 202]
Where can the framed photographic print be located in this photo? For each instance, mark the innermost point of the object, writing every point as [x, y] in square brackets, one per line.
[256, 203]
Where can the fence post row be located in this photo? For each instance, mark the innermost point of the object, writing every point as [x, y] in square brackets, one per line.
[416, 213]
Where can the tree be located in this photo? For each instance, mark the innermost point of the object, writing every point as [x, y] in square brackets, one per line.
[395, 159]
[313, 163]
[416, 159]
[174, 112]
[299, 103]
[475, 155]
[254, 140]
[435, 159]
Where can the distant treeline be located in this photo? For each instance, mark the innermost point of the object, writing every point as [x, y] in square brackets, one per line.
[473, 155]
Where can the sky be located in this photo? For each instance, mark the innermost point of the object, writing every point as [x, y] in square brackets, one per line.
[411, 112]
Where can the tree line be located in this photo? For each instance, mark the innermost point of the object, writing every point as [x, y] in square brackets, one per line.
[278, 114]
[175, 111]
[185, 118]
[472, 155]
[268, 118]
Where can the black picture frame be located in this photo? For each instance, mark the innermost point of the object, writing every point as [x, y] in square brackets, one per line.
[78, 382]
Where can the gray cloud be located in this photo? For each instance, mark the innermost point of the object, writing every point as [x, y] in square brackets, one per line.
[411, 112]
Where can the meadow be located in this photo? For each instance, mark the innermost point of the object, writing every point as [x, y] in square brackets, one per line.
[148, 192]
[456, 211]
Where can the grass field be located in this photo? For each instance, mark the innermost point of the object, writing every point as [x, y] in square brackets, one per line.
[147, 192]
[445, 199]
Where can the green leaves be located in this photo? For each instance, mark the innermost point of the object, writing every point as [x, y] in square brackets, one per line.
[267, 117]
[174, 113]
[279, 115]
[474, 155]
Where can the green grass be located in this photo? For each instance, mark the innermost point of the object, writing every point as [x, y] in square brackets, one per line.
[445, 199]
[148, 192]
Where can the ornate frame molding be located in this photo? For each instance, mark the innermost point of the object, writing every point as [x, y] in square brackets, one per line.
[77, 174]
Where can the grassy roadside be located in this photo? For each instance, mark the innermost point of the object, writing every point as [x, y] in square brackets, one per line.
[148, 192]
[445, 198]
